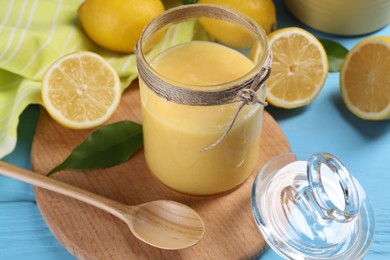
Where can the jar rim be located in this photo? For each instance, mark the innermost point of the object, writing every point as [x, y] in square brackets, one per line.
[164, 19]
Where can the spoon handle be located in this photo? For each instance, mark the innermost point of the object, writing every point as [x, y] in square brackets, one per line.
[42, 181]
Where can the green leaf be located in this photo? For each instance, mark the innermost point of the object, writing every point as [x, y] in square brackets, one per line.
[336, 54]
[108, 146]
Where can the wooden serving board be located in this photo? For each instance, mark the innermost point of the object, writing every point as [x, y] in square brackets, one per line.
[89, 233]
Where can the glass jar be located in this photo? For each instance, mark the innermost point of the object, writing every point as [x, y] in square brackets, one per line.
[202, 70]
[346, 17]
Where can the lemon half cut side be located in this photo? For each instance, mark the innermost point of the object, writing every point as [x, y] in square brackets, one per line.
[299, 68]
[81, 90]
[365, 78]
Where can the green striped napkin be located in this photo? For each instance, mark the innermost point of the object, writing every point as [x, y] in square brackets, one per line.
[33, 34]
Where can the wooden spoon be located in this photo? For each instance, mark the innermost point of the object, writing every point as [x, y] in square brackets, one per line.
[162, 223]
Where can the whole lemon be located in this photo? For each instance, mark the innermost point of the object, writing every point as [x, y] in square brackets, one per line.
[262, 11]
[117, 24]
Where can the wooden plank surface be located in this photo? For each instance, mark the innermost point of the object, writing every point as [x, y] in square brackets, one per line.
[325, 125]
[89, 233]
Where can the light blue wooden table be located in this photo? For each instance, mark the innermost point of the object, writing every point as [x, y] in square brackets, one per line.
[324, 125]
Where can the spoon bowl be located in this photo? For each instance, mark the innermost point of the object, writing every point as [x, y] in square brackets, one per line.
[163, 224]
[169, 224]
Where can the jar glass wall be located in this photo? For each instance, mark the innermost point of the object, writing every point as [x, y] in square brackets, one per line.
[209, 56]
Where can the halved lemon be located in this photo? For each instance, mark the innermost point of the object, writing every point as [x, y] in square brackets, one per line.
[365, 78]
[81, 90]
[299, 68]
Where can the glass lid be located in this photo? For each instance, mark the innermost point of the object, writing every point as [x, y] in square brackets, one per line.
[310, 207]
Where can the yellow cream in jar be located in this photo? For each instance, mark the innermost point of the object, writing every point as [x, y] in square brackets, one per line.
[175, 134]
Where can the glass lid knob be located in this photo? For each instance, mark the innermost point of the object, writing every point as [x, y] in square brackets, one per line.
[320, 196]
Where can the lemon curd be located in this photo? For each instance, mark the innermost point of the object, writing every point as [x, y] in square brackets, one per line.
[175, 134]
